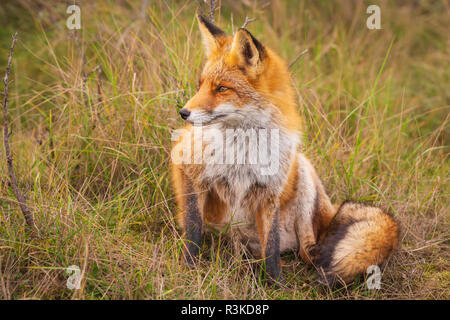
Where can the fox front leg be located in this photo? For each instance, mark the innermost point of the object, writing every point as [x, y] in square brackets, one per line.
[269, 236]
[192, 226]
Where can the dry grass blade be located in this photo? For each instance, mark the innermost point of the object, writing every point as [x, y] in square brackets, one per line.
[297, 57]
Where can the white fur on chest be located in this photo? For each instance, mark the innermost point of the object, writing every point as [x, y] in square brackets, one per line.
[265, 168]
[269, 170]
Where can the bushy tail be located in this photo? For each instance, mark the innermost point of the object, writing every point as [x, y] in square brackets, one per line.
[357, 237]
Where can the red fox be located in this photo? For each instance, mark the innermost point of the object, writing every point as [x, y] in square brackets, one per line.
[246, 86]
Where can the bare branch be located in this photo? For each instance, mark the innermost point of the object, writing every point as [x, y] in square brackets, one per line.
[297, 57]
[97, 68]
[99, 85]
[247, 21]
[200, 7]
[85, 74]
[144, 8]
[83, 58]
[83, 69]
[9, 159]
[212, 10]
[232, 24]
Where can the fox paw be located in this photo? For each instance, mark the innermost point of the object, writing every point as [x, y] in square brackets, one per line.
[313, 251]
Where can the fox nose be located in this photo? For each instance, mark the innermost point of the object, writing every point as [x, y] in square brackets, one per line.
[184, 113]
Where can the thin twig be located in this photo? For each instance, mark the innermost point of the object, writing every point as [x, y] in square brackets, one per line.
[85, 74]
[99, 86]
[144, 8]
[247, 21]
[232, 24]
[212, 9]
[97, 68]
[99, 94]
[297, 57]
[200, 7]
[9, 159]
[83, 68]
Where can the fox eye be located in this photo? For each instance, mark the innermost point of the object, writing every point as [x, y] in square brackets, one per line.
[221, 89]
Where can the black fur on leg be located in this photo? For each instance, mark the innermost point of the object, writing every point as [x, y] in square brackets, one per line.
[193, 227]
[272, 260]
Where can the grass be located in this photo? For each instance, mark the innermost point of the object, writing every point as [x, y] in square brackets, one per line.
[93, 158]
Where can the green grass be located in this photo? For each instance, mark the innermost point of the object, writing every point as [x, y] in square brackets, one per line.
[93, 162]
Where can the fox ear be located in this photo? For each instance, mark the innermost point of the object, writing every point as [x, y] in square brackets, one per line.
[210, 34]
[248, 51]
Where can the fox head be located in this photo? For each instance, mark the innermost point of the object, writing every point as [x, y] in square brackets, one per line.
[241, 79]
